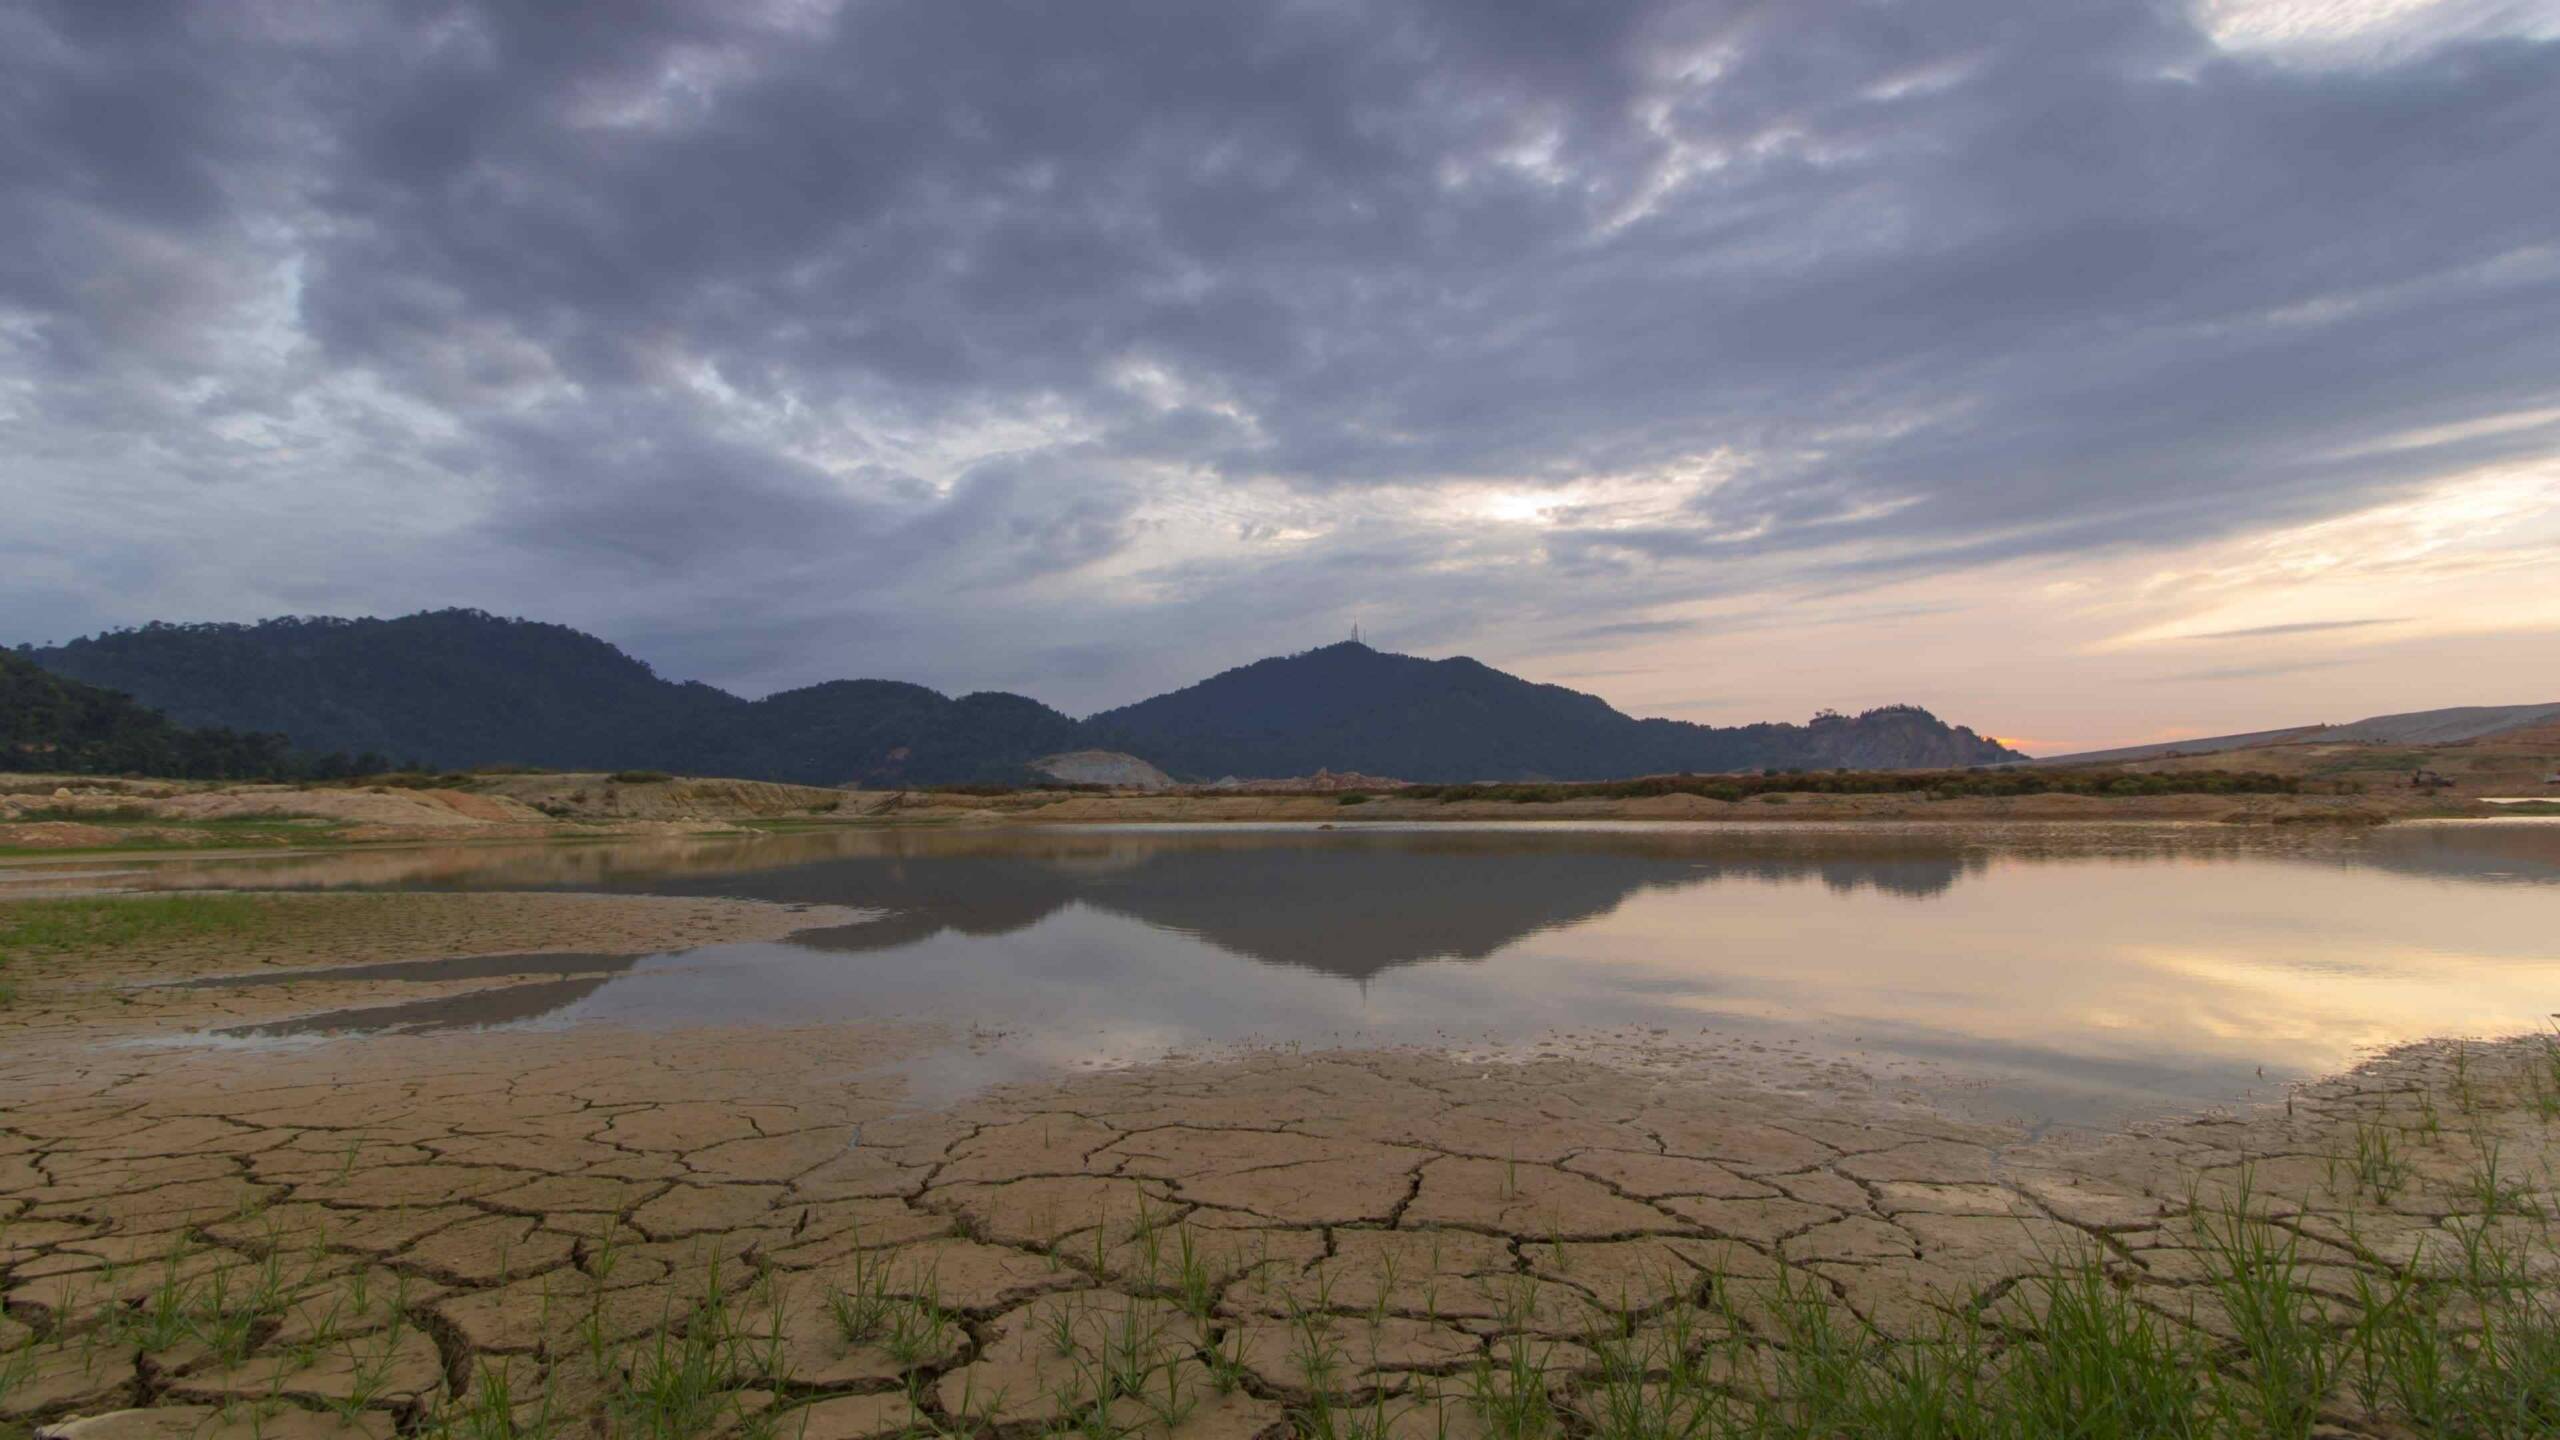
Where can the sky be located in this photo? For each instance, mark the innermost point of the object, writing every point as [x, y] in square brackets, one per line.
[2091, 373]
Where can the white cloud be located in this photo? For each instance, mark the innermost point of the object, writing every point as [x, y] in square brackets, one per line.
[2364, 31]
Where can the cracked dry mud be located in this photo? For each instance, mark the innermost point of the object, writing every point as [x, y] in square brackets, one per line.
[368, 1231]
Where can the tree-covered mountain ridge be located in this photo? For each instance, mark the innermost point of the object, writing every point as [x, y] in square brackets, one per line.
[55, 725]
[464, 687]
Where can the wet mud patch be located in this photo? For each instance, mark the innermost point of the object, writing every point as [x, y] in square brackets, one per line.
[457, 967]
[471, 1010]
[155, 968]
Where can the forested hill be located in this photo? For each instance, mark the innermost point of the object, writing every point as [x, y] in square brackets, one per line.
[460, 687]
[450, 687]
[60, 726]
[1349, 707]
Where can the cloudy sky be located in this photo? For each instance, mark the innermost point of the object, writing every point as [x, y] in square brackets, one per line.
[2090, 373]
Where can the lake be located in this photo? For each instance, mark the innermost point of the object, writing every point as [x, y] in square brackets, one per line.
[2079, 973]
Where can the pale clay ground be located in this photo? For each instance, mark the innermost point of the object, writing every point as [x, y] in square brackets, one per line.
[468, 1204]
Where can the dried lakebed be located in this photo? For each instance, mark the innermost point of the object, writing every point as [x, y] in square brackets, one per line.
[758, 1229]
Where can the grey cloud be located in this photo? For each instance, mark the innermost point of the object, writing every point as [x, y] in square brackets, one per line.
[730, 321]
[1631, 630]
[1613, 673]
[2257, 672]
[2300, 627]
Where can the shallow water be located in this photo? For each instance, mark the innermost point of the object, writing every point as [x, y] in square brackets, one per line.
[2073, 973]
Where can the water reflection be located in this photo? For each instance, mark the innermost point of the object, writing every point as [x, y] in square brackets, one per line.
[2078, 970]
[2524, 852]
[1347, 903]
[1352, 908]
[1352, 903]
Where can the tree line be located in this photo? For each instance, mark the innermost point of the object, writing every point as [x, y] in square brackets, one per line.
[51, 725]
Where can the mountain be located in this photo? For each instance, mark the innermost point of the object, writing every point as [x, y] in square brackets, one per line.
[880, 732]
[462, 687]
[1349, 707]
[56, 725]
[451, 687]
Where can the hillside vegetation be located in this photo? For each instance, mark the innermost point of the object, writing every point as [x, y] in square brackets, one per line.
[460, 688]
[56, 726]
[1347, 706]
[450, 688]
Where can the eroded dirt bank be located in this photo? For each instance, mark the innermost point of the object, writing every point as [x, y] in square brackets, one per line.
[371, 1234]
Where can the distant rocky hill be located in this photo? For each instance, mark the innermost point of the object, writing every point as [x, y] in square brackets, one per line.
[460, 687]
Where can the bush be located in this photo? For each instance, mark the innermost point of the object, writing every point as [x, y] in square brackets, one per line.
[417, 780]
[640, 777]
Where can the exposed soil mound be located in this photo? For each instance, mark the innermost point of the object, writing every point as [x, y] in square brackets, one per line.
[379, 805]
[599, 796]
[1103, 767]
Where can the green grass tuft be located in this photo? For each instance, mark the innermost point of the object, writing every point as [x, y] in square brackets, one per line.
[71, 926]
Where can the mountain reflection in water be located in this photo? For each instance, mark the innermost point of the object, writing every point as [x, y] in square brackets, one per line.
[1342, 909]
[1358, 901]
[2076, 964]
